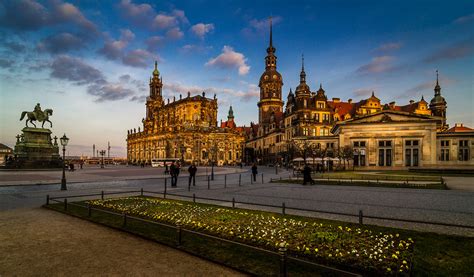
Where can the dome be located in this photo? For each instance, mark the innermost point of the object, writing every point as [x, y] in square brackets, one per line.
[270, 76]
[438, 99]
[302, 88]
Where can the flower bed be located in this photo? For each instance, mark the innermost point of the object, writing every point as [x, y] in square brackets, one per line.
[358, 248]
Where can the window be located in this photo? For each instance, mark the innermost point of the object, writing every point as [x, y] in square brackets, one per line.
[305, 103]
[412, 151]
[321, 105]
[305, 131]
[317, 117]
[385, 153]
[325, 117]
[444, 150]
[464, 150]
[359, 153]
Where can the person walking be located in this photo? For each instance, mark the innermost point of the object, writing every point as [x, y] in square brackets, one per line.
[174, 177]
[254, 172]
[167, 171]
[192, 174]
[307, 175]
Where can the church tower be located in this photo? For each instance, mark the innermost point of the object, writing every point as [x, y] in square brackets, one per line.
[438, 104]
[270, 85]
[155, 100]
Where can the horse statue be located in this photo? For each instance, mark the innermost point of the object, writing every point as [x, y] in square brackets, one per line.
[41, 116]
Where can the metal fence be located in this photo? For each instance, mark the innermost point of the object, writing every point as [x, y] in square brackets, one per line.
[281, 255]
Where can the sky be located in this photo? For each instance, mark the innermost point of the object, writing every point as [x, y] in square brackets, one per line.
[90, 61]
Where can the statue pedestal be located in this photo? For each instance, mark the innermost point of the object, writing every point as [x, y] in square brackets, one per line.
[35, 150]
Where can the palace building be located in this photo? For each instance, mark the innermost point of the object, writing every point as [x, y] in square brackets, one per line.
[384, 136]
[184, 128]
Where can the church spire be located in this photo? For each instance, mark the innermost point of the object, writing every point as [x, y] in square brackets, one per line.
[302, 74]
[230, 116]
[271, 50]
[437, 88]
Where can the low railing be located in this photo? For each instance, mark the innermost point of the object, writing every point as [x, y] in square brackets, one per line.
[282, 256]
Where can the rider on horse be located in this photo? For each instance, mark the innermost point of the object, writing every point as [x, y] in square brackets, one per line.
[37, 111]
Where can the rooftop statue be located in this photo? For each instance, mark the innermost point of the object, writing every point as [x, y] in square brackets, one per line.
[37, 115]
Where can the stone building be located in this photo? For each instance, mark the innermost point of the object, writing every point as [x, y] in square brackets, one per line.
[387, 136]
[184, 128]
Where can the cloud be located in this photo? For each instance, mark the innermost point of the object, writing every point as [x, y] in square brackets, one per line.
[139, 99]
[377, 65]
[455, 51]
[109, 92]
[174, 33]
[193, 48]
[464, 19]
[139, 14]
[250, 93]
[4, 63]
[201, 29]
[154, 43]
[363, 92]
[14, 46]
[426, 87]
[392, 46]
[75, 70]
[29, 15]
[113, 49]
[163, 21]
[60, 43]
[80, 73]
[179, 14]
[230, 59]
[260, 26]
[138, 58]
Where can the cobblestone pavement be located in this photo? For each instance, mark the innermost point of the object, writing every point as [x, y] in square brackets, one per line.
[446, 206]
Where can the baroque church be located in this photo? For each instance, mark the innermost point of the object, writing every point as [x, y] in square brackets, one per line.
[378, 135]
[185, 128]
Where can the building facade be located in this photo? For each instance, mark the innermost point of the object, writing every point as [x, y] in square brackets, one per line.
[378, 135]
[184, 128]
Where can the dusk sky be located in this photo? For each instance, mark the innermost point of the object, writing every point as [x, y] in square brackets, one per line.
[90, 61]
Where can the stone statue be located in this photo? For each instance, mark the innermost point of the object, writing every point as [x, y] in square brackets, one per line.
[37, 114]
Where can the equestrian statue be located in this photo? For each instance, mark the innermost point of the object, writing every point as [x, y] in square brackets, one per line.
[37, 114]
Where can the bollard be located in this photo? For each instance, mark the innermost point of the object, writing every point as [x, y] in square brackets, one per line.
[65, 204]
[102, 195]
[283, 208]
[124, 222]
[89, 210]
[47, 199]
[276, 170]
[208, 183]
[240, 179]
[178, 233]
[262, 178]
[194, 198]
[141, 192]
[361, 217]
[283, 256]
[233, 202]
[225, 181]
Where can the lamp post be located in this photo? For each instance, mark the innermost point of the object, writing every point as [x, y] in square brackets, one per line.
[182, 149]
[213, 153]
[102, 153]
[64, 140]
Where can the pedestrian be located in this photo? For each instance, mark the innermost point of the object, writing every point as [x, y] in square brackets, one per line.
[192, 174]
[174, 178]
[254, 172]
[71, 167]
[166, 169]
[241, 165]
[307, 175]
[81, 163]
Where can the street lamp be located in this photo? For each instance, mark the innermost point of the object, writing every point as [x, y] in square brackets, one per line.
[64, 140]
[102, 153]
[213, 153]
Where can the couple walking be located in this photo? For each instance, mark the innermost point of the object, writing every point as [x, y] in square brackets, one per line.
[175, 170]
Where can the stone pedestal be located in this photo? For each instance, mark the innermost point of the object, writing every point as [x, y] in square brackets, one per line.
[35, 149]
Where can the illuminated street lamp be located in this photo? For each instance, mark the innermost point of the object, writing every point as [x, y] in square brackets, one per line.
[64, 140]
[102, 153]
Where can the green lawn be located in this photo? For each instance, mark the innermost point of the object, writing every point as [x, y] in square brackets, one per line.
[344, 245]
[366, 183]
[379, 175]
